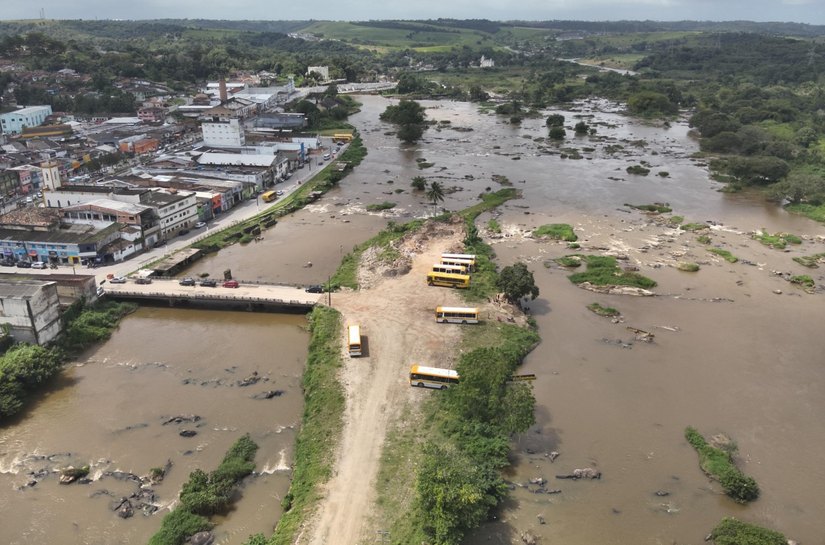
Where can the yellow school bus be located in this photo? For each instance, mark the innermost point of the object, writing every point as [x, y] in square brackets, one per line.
[354, 340]
[448, 280]
[269, 196]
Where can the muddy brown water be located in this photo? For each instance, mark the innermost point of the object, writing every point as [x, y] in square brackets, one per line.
[729, 354]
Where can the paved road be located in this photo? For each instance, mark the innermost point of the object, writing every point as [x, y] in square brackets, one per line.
[244, 292]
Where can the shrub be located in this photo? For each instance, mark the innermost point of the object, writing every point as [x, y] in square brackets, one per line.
[688, 267]
[638, 170]
[177, 526]
[703, 239]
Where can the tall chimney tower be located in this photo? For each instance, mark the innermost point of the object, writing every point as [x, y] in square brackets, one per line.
[222, 89]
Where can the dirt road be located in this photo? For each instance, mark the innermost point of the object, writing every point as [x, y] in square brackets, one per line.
[397, 321]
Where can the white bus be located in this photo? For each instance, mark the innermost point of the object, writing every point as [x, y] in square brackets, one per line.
[469, 264]
[354, 340]
[471, 257]
[456, 315]
[452, 269]
[432, 377]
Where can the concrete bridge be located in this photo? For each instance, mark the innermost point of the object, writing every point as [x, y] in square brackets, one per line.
[247, 296]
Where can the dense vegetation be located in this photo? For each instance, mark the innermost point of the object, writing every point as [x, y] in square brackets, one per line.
[205, 494]
[24, 367]
[471, 426]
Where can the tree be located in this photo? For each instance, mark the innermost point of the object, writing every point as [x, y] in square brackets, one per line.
[557, 133]
[435, 193]
[649, 103]
[516, 281]
[453, 497]
[410, 133]
[581, 128]
[798, 187]
[419, 183]
[477, 94]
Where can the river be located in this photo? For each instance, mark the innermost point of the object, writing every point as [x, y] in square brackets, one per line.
[730, 355]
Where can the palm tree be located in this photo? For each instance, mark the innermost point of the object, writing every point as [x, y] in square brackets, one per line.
[435, 193]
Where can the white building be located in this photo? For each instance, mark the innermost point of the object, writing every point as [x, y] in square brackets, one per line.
[30, 116]
[486, 63]
[228, 133]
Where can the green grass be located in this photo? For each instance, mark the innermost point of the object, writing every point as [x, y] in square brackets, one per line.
[603, 311]
[675, 220]
[719, 465]
[493, 226]
[657, 207]
[724, 254]
[735, 532]
[377, 207]
[693, 227]
[777, 241]
[397, 476]
[688, 267]
[320, 427]
[703, 239]
[810, 261]
[556, 231]
[816, 213]
[605, 271]
[571, 261]
[803, 280]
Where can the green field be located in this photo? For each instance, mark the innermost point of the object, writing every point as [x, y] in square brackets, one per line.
[415, 35]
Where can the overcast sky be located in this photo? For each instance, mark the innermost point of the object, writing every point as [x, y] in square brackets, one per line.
[803, 11]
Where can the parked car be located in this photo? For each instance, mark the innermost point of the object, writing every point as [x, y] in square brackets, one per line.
[24, 265]
[39, 265]
[315, 289]
[200, 225]
[117, 280]
[231, 284]
[326, 156]
[209, 282]
[187, 281]
[143, 280]
[183, 232]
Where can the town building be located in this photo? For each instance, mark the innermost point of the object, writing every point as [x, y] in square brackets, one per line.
[30, 310]
[228, 133]
[30, 116]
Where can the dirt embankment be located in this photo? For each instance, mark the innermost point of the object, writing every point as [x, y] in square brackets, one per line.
[395, 309]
